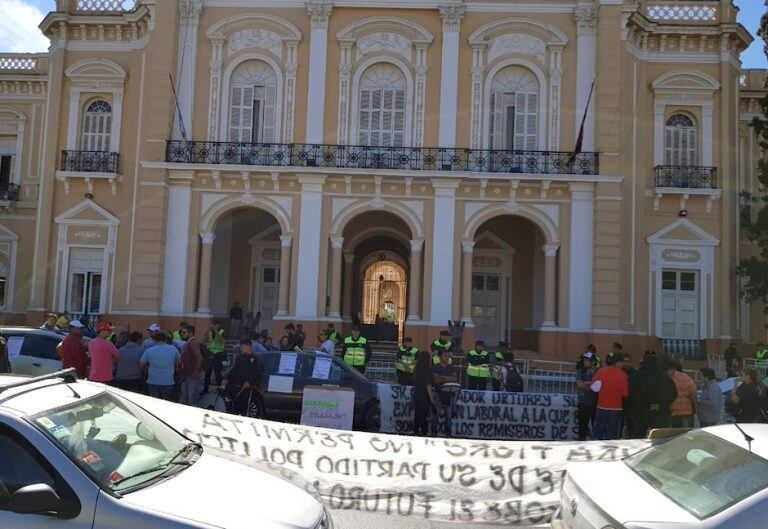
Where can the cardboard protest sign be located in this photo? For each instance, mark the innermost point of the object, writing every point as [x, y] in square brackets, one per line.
[490, 414]
[328, 407]
[495, 482]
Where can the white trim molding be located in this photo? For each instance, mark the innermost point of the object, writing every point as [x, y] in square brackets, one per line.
[397, 41]
[529, 43]
[694, 253]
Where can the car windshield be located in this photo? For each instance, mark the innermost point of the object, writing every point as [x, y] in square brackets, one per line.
[119, 445]
[701, 472]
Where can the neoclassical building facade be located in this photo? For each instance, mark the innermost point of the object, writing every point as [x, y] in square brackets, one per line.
[552, 173]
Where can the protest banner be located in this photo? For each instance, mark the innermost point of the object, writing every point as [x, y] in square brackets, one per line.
[459, 480]
[490, 414]
[328, 407]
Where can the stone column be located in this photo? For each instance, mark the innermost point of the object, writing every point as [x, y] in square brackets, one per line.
[177, 226]
[550, 285]
[206, 263]
[441, 304]
[186, 61]
[582, 252]
[414, 283]
[286, 242]
[320, 12]
[586, 69]
[336, 264]
[308, 276]
[467, 252]
[349, 278]
[449, 76]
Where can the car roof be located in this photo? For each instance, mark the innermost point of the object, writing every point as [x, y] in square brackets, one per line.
[37, 397]
[731, 433]
[29, 330]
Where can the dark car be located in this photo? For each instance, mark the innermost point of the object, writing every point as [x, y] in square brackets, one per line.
[279, 403]
[32, 351]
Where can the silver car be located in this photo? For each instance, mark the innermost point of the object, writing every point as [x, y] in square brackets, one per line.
[75, 455]
[704, 479]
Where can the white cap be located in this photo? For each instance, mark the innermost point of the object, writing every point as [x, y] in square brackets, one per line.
[155, 327]
[76, 324]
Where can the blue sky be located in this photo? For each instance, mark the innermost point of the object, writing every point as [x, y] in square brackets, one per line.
[19, 33]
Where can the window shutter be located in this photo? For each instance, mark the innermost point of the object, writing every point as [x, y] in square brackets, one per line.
[498, 102]
[364, 135]
[269, 115]
[532, 124]
[387, 115]
[241, 114]
[398, 139]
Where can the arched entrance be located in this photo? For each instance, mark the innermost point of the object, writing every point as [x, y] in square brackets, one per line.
[377, 271]
[511, 283]
[246, 264]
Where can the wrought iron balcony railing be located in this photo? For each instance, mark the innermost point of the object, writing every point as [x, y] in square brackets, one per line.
[688, 349]
[90, 161]
[9, 192]
[693, 177]
[364, 157]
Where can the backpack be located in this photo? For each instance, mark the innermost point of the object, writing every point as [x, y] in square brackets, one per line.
[513, 380]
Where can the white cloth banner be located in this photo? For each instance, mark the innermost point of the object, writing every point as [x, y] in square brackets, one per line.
[495, 482]
[490, 414]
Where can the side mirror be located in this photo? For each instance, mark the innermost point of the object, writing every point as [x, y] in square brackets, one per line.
[35, 499]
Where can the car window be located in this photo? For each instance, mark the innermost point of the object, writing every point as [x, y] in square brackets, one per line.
[18, 468]
[269, 363]
[321, 368]
[701, 472]
[40, 346]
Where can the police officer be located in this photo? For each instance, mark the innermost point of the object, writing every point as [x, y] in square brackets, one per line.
[406, 362]
[499, 358]
[214, 341]
[356, 351]
[478, 370]
[443, 343]
[761, 357]
[333, 334]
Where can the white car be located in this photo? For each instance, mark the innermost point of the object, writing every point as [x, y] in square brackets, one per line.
[75, 455]
[710, 478]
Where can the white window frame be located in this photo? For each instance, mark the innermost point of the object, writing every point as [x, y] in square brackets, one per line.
[409, 94]
[13, 126]
[675, 154]
[89, 138]
[9, 243]
[226, 94]
[382, 112]
[543, 113]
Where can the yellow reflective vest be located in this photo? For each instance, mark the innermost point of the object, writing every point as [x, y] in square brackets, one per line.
[354, 351]
[438, 347]
[478, 364]
[405, 356]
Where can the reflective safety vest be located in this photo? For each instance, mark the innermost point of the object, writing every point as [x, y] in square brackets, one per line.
[215, 344]
[177, 336]
[334, 337]
[478, 364]
[498, 360]
[354, 351]
[406, 356]
[439, 346]
[762, 357]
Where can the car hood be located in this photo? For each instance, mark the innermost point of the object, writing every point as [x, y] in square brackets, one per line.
[623, 495]
[223, 493]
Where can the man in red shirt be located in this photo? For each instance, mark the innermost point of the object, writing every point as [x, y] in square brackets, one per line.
[612, 385]
[103, 354]
[72, 351]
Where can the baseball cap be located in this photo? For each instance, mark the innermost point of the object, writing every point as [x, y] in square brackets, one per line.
[76, 323]
[589, 355]
[155, 327]
[105, 326]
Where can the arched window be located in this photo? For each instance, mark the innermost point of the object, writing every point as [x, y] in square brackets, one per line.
[97, 126]
[382, 100]
[680, 141]
[253, 92]
[514, 107]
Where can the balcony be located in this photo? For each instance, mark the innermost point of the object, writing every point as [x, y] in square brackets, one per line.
[689, 177]
[89, 166]
[684, 182]
[393, 158]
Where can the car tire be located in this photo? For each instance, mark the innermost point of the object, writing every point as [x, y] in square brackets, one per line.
[372, 417]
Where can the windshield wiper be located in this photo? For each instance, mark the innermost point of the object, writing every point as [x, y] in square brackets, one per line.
[164, 467]
[649, 477]
[185, 450]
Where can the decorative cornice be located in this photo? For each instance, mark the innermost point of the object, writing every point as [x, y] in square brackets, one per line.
[189, 11]
[586, 19]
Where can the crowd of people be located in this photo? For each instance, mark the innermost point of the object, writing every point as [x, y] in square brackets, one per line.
[618, 400]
